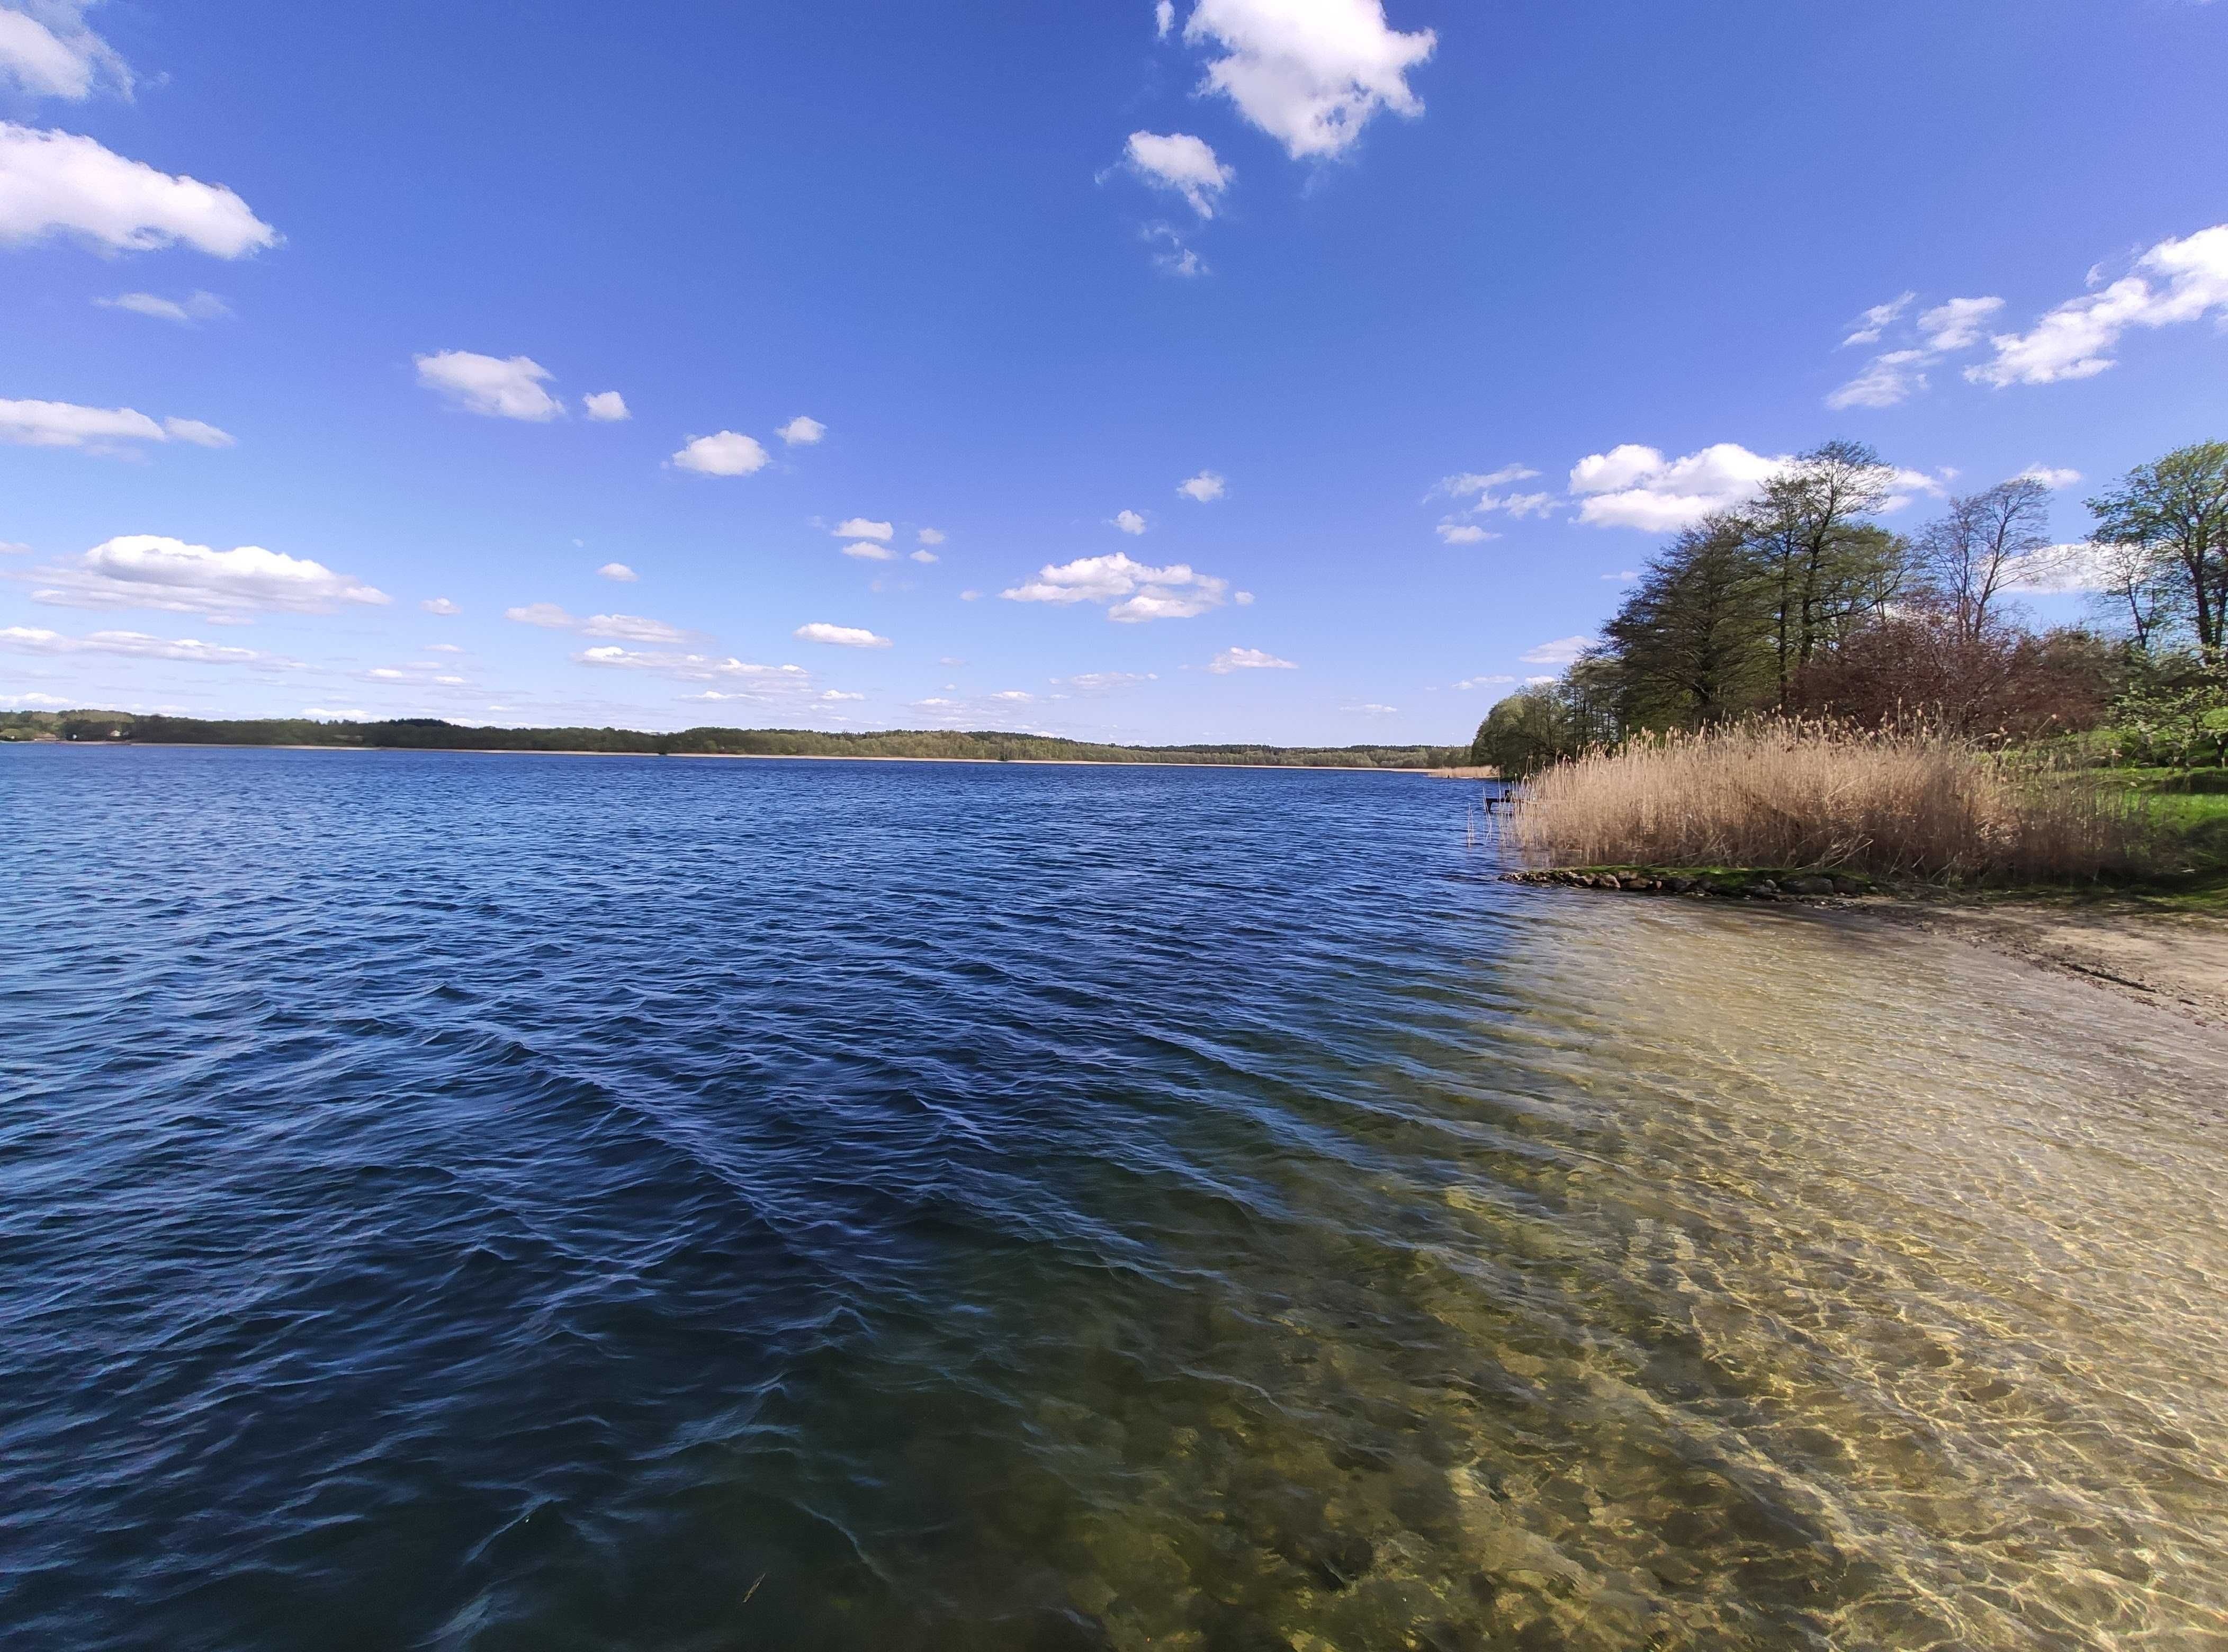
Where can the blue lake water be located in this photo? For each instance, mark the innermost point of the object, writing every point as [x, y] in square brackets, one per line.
[470, 1201]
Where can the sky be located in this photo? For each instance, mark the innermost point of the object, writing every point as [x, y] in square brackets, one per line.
[1306, 371]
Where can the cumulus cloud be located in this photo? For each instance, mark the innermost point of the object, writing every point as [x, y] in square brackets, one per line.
[98, 430]
[1564, 650]
[1180, 162]
[841, 636]
[801, 432]
[726, 453]
[1130, 522]
[1633, 486]
[1205, 487]
[194, 307]
[1247, 659]
[150, 571]
[2057, 570]
[547, 615]
[1454, 532]
[442, 606]
[925, 556]
[1311, 73]
[491, 385]
[56, 182]
[607, 407]
[2175, 281]
[1875, 320]
[1495, 681]
[931, 536]
[2050, 476]
[1466, 483]
[838, 694]
[861, 527]
[138, 645]
[1105, 681]
[47, 51]
[618, 571]
[631, 628]
[868, 550]
[1131, 591]
[1164, 18]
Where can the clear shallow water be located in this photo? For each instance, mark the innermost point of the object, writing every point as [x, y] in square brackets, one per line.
[509, 1202]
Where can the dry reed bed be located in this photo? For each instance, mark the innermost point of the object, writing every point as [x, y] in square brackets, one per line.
[1912, 803]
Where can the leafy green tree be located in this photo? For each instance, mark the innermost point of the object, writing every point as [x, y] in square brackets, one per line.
[2171, 515]
[1689, 643]
[1824, 569]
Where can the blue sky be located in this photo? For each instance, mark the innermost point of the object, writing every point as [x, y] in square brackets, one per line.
[1021, 271]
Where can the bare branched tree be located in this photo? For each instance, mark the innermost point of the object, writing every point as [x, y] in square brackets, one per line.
[1973, 551]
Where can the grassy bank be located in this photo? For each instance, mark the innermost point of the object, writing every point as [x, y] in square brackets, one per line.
[427, 733]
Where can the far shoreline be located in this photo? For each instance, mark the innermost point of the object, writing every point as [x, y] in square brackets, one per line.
[744, 757]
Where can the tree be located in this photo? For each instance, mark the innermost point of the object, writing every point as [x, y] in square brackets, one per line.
[2171, 516]
[1823, 567]
[1688, 639]
[1965, 559]
[1524, 733]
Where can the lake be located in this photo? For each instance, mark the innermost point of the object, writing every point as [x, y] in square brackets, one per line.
[522, 1202]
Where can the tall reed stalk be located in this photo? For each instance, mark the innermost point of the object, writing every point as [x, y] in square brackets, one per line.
[1774, 792]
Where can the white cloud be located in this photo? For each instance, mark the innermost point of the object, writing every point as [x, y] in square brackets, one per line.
[1135, 591]
[1957, 324]
[1244, 600]
[55, 182]
[351, 715]
[197, 306]
[1888, 379]
[1484, 682]
[1904, 486]
[1105, 682]
[64, 424]
[618, 571]
[30, 639]
[1164, 18]
[443, 648]
[631, 628]
[1372, 709]
[150, 571]
[842, 635]
[969, 596]
[838, 694]
[9, 547]
[1130, 522]
[1177, 258]
[859, 527]
[1464, 534]
[801, 432]
[1624, 576]
[744, 681]
[491, 385]
[726, 453]
[925, 556]
[868, 550]
[1015, 696]
[1205, 487]
[2050, 476]
[1481, 484]
[1311, 73]
[32, 700]
[1562, 651]
[1247, 659]
[48, 52]
[1180, 162]
[931, 536]
[201, 435]
[547, 615]
[442, 606]
[1869, 324]
[2059, 569]
[607, 406]
[2175, 281]
[1632, 486]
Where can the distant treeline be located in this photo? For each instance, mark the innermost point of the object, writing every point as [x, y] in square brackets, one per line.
[431, 733]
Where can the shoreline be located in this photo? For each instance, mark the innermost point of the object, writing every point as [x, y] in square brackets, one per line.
[762, 757]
